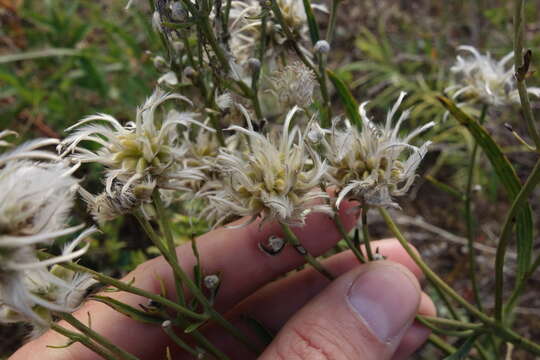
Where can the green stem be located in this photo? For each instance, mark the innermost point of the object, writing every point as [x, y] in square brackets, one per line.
[279, 17]
[327, 116]
[165, 225]
[440, 344]
[84, 340]
[195, 291]
[98, 338]
[470, 220]
[504, 238]
[107, 280]
[503, 332]
[519, 29]
[365, 232]
[446, 332]
[347, 238]
[519, 288]
[291, 238]
[332, 22]
[449, 322]
[446, 302]
[167, 328]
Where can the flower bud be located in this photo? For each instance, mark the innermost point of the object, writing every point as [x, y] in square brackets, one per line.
[254, 64]
[322, 47]
[211, 282]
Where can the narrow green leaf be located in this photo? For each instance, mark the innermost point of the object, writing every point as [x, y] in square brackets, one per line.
[464, 349]
[312, 23]
[508, 177]
[127, 310]
[351, 106]
[31, 55]
[191, 328]
[258, 328]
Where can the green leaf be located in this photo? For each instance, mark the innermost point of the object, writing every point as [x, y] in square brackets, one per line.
[129, 311]
[351, 106]
[507, 176]
[258, 328]
[194, 327]
[464, 349]
[312, 23]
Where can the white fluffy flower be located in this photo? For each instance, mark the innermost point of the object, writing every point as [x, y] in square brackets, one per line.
[373, 164]
[273, 178]
[483, 77]
[35, 201]
[144, 150]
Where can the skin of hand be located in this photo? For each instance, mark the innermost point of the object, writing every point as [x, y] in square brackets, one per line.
[366, 313]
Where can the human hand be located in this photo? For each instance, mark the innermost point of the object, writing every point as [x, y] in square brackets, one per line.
[366, 313]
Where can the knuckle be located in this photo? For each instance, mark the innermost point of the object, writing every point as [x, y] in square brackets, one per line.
[312, 341]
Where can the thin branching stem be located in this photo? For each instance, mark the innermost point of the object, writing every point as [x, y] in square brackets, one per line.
[509, 306]
[120, 285]
[500, 330]
[470, 219]
[194, 289]
[522, 69]
[291, 239]
[450, 322]
[504, 238]
[118, 352]
[166, 228]
[330, 32]
[365, 232]
[356, 251]
[84, 340]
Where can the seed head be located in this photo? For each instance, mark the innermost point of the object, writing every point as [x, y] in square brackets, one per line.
[374, 164]
[273, 177]
[484, 78]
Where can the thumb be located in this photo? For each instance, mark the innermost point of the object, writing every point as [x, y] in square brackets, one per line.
[361, 315]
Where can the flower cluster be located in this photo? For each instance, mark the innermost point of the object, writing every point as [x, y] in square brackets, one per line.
[484, 78]
[36, 199]
[139, 156]
[373, 164]
[274, 177]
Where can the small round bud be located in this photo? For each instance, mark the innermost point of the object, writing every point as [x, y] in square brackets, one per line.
[211, 282]
[166, 324]
[322, 46]
[274, 245]
[254, 64]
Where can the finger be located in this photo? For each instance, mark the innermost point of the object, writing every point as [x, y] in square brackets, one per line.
[417, 334]
[236, 256]
[362, 315]
[273, 305]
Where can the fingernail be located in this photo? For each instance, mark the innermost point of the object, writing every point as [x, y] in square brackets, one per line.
[386, 299]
